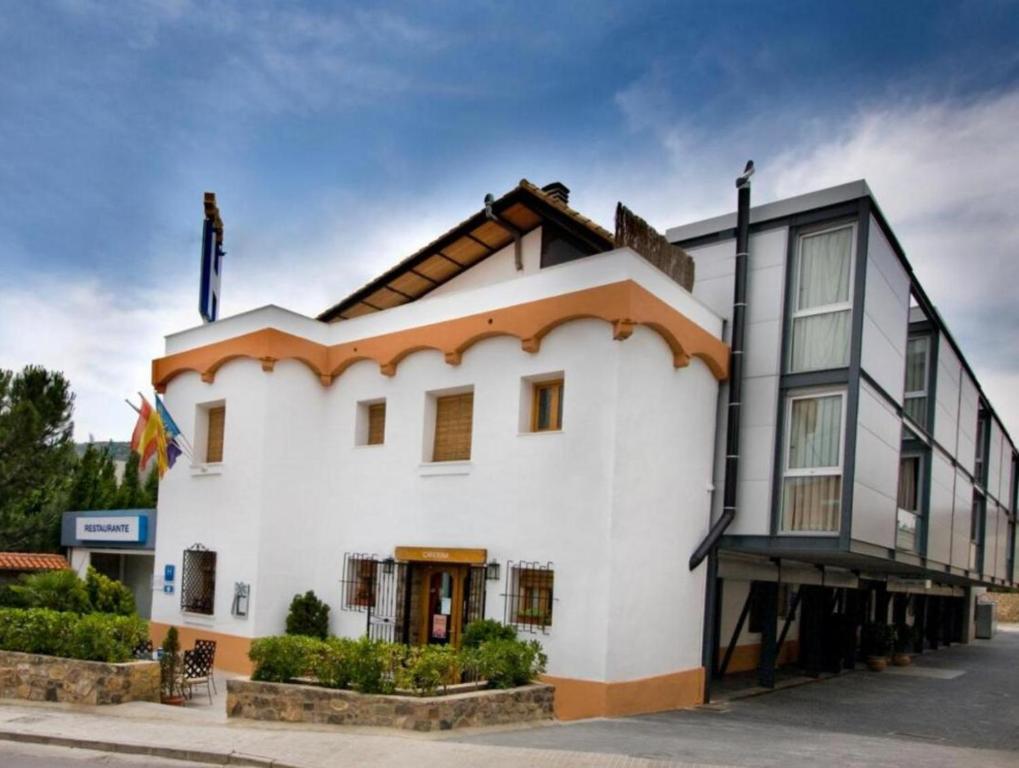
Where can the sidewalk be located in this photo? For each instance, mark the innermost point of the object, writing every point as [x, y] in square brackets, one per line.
[151, 729]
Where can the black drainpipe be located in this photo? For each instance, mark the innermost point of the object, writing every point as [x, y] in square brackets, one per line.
[709, 547]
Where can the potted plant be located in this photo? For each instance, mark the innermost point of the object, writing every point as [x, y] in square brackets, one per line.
[169, 670]
[903, 646]
[876, 640]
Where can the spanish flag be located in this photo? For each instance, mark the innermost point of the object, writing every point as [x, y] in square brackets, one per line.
[149, 438]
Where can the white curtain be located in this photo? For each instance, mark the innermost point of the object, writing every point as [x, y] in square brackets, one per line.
[815, 441]
[823, 279]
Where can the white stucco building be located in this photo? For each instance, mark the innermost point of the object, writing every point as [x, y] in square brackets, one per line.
[525, 421]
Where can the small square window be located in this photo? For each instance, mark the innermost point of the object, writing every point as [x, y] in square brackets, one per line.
[547, 406]
[210, 428]
[454, 422]
[370, 424]
[198, 581]
[530, 596]
[359, 584]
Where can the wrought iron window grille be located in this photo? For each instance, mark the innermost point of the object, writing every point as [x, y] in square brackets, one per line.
[530, 595]
[198, 580]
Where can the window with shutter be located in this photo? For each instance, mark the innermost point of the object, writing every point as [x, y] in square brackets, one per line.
[454, 416]
[376, 424]
[214, 440]
[547, 406]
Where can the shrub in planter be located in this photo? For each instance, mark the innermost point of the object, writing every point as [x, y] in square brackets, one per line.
[56, 590]
[284, 657]
[308, 616]
[107, 595]
[332, 662]
[876, 642]
[105, 637]
[903, 645]
[509, 663]
[169, 669]
[375, 665]
[427, 668]
[483, 630]
[36, 630]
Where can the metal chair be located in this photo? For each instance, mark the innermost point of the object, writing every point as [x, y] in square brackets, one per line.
[143, 650]
[208, 647]
[197, 670]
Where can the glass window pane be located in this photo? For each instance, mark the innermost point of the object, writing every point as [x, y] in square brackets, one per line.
[544, 406]
[909, 475]
[824, 268]
[905, 534]
[821, 341]
[916, 365]
[916, 409]
[815, 432]
[811, 503]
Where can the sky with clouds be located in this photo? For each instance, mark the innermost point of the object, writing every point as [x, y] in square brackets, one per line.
[340, 138]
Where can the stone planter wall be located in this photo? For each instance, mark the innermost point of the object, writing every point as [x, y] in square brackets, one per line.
[294, 703]
[51, 678]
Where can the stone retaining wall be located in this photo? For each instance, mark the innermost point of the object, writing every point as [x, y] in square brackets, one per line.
[33, 677]
[295, 703]
[1008, 605]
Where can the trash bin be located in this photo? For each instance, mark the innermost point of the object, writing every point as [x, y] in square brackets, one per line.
[986, 620]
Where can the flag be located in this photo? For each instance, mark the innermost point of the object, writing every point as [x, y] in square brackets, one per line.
[173, 448]
[149, 438]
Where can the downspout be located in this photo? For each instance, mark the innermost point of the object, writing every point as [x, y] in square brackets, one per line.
[732, 432]
[709, 547]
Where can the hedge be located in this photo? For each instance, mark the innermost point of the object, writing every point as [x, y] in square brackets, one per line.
[373, 666]
[91, 637]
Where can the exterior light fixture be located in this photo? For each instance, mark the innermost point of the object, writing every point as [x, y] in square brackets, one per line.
[387, 566]
[492, 570]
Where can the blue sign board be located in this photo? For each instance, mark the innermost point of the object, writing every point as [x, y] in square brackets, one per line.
[168, 571]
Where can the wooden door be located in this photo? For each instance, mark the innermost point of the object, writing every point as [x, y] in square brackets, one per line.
[442, 597]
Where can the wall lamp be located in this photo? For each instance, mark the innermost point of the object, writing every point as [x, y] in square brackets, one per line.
[492, 570]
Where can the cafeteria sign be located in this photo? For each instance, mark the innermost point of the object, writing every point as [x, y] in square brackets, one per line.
[131, 529]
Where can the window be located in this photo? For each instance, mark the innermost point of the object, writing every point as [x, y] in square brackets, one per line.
[529, 597]
[453, 423]
[547, 406]
[983, 438]
[917, 376]
[214, 434]
[976, 532]
[909, 504]
[823, 300]
[198, 580]
[370, 423]
[359, 582]
[812, 485]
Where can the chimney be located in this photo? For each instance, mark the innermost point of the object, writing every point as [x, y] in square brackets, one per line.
[557, 191]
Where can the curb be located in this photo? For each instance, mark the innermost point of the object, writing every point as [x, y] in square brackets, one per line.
[125, 748]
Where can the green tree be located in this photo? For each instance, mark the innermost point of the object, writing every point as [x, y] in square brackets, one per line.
[131, 495]
[36, 456]
[151, 490]
[94, 480]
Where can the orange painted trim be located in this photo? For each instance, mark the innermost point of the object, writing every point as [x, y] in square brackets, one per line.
[624, 304]
[746, 658]
[231, 650]
[576, 699]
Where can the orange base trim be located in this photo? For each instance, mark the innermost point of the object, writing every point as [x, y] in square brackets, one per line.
[624, 304]
[576, 699]
[745, 658]
[231, 650]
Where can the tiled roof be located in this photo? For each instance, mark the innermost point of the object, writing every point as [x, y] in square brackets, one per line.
[31, 561]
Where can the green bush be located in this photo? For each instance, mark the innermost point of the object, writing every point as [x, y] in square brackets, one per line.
[93, 637]
[283, 657]
[107, 595]
[332, 664]
[169, 665]
[876, 639]
[508, 663]
[427, 668]
[308, 616]
[483, 630]
[56, 590]
[375, 665]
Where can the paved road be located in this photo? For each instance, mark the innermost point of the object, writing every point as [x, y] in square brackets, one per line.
[36, 756]
[958, 706]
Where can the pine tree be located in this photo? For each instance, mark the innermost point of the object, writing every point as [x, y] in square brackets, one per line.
[85, 480]
[106, 484]
[36, 457]
[131, 495]
[152, 489]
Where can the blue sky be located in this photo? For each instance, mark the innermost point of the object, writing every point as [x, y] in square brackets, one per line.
[339, 138]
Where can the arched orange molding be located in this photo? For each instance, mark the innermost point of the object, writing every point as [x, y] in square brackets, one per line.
[624, 304]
